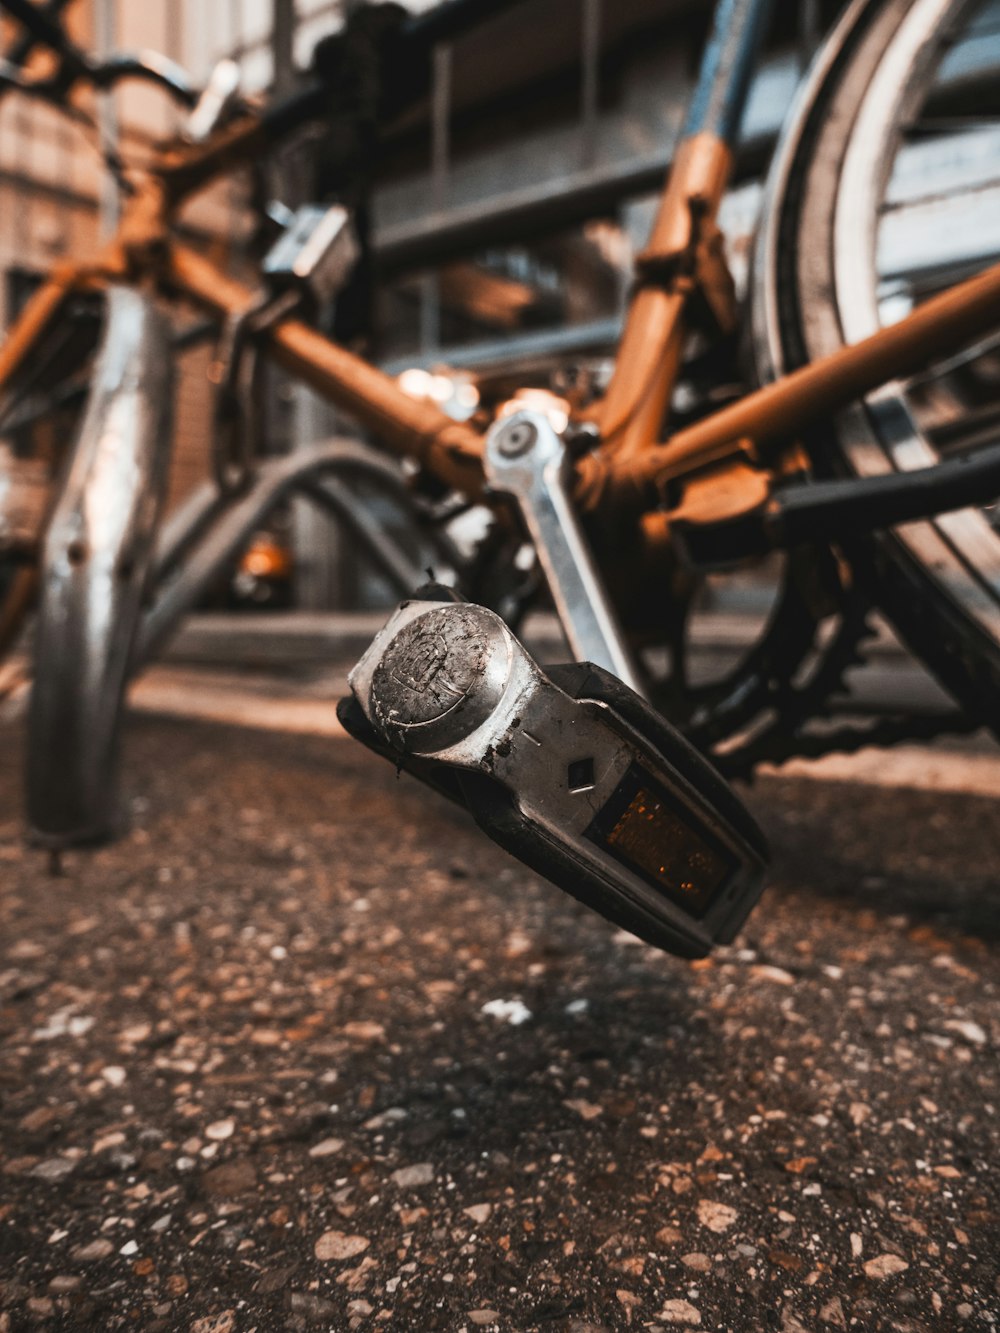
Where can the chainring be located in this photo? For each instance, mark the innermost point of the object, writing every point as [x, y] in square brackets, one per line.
[784, 688]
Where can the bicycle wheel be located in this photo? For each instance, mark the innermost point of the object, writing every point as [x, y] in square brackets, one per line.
[881, 140]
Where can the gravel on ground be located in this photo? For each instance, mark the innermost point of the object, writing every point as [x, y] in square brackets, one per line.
[302, 1050]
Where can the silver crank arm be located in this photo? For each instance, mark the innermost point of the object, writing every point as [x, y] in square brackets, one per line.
[527, 459]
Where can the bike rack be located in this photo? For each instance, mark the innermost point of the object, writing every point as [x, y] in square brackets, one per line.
[95, 561]
[206, 535]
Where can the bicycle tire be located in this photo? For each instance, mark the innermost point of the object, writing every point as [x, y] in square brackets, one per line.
[938, 582]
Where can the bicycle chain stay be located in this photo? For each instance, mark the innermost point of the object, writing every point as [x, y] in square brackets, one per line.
[882, 734]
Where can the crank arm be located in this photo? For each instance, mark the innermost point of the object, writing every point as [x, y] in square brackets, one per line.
[526, 458]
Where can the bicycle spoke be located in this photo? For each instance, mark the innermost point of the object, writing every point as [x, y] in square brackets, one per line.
[931, 126]
[951, 197]
[957, 362]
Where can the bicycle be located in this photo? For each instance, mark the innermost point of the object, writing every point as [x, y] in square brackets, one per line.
[826, 461]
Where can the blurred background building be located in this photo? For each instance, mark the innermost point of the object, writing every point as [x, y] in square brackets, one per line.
[506, 211]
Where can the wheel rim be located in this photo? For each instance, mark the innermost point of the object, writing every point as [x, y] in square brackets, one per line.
[960, 551]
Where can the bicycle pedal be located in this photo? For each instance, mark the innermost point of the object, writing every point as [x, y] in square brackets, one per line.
[568, 769]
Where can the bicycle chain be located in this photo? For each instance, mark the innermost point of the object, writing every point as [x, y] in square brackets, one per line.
[882, 734]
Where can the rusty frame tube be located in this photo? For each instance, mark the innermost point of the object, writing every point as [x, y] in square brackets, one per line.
[94, 570]
[450, 449]
[650, 350]
[649, 353]
[778, 412]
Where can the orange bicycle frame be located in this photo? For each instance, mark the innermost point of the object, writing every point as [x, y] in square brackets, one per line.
[683, 258]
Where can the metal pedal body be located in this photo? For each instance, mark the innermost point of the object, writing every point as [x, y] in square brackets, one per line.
[567, 768]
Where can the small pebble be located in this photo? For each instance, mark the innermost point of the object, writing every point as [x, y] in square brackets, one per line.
[970, 1032]
[409, 1176]
[588, 1110]
[339, 1245]
[221, 1129]
[53, 1168]
[514, 1012]
[680, 1312]
[765, 972]
[701, 1263]
[92, 1251]
[65, 1283]
[885, 1265]
[326, 1148]
[717, 1217]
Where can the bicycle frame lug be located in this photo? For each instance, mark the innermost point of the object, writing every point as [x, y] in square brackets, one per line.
[526, 458]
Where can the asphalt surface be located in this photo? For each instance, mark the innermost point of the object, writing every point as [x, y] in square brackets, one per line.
[303, 1051]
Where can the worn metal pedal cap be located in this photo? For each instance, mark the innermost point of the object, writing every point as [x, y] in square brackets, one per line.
[567, 768]
[440, 677]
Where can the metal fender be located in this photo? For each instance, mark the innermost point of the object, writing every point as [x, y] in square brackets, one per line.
[95, 563]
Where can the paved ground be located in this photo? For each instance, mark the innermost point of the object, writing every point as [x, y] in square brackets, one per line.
[304, 1051]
